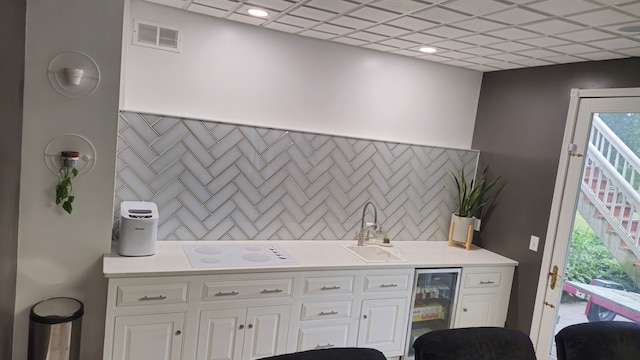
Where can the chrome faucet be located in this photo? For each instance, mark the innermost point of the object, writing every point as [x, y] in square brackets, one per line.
[367, 233]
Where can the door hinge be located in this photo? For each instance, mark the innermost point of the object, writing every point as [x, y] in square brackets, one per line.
[549, 305]
[572, 148]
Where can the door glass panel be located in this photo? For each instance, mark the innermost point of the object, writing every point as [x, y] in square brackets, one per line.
[601, 279]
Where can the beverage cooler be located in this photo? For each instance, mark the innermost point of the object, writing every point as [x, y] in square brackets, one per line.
[434, 301]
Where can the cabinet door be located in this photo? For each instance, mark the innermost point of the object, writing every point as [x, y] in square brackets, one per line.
[478, 310]
[148, 337]
[382, 325]
[266, 331]
[221, 334]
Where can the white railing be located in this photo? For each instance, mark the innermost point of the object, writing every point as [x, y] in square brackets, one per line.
[610, 171]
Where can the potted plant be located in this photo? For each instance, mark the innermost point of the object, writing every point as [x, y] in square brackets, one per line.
[64, 187]
[471, 198]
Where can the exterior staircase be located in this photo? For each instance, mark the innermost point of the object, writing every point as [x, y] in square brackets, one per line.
[610, 201]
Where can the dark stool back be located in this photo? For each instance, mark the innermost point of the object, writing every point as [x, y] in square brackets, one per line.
[599, 341]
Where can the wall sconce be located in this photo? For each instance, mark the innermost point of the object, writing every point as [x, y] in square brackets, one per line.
[73, 74]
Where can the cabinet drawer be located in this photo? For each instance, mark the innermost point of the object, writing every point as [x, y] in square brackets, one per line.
[244, 289]
[328, 285]
[326, 310]
[323, 337]
[386, 282]
[483, 280]
[149, 294]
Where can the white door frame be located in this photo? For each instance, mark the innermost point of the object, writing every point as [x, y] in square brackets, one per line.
[559, 192]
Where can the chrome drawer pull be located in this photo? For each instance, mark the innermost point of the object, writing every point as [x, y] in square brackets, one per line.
[329, 345]
[232, 293]
[486, 282]
[388, 285]
[322, 313]
[334, 287]
[148, 298]
[275, 291]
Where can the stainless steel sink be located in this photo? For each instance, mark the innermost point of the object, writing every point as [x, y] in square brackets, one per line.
[373, 253]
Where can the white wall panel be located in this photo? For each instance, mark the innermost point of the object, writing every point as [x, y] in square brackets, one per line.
[239, 73]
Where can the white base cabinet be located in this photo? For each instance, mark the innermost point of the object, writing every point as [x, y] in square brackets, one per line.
[245, 333]
[248, 316]
[133, 336]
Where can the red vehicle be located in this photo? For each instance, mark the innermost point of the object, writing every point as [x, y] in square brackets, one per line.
[605, 299]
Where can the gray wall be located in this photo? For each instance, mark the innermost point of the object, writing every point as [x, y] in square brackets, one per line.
[519, 130]
[12, 32]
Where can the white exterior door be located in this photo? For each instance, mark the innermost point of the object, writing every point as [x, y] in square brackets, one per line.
[148, 337]
[572, 173]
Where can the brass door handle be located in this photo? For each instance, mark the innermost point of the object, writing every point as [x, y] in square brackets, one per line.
[554, 277]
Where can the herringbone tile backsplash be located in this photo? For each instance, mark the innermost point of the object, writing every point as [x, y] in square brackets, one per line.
[217, 181]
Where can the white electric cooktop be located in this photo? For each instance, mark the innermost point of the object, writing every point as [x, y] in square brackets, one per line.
[236, 255]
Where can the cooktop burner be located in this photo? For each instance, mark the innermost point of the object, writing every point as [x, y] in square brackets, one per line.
[228, 255]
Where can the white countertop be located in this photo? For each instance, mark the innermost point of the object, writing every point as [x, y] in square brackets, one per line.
[170, 258]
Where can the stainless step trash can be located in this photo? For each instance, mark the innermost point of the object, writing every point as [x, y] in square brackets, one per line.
[54, 329]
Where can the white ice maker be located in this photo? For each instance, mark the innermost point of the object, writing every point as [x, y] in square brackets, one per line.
[138, 228]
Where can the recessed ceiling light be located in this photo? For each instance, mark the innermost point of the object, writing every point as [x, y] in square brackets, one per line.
[428, 49]
[258, 13]
[630, 28]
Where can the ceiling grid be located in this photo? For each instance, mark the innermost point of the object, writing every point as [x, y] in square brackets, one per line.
[483, 35]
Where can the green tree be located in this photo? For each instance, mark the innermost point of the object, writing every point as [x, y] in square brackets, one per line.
[626, 126]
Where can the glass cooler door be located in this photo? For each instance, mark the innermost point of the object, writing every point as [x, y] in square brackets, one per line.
[434, 299]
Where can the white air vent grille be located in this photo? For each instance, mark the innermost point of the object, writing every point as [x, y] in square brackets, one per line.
[150, 34]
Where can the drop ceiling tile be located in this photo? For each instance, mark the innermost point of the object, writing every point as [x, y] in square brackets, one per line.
[387, 30]
[633, 8]
[508, 57]
[585, 35]
[563, 7]
[533, 62]
[352, 22]
[379, 47]
[332, 29]
[512, 34]
[436, 58]
[610, 2]
[400, 6]
[271, 4]
[552, 27]
[515, 16]
[482, 51]
[483, 68]
[411, 23]
[456, 55]
[440, 15]
[317, 34]
[616, 28]
[407, 52]
[350, 41]
[480, 60]
[459, 63]
[601, 18]
[600, 55]
[397, 43]
[206, 10]
[564, 59]
[544, 41]
[479, 25]
[573, 49]
[451, 45]
[448, 32]
[510, 46]
[476, 7]
[630, 52]
[313, 14]
[336, 6]
[421, 38]
[220, 4]
[538, 53]
[615, 44]
[283, 27]
[480, 39]
[297, 21]
[506, 65]
[246, 19]
[366, 36]
[368, 13]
